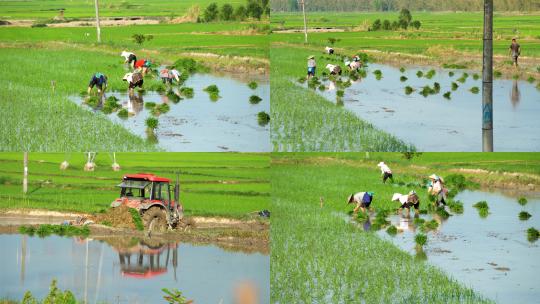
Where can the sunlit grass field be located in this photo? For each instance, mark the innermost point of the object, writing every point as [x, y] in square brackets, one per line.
[212, 184]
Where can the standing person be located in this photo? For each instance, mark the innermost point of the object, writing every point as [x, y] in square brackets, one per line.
[515, 51]
[130, 58]
[98, 80]
[362, 200]
[311, 66]
[385, 172]
[134, 80]
[436, 188]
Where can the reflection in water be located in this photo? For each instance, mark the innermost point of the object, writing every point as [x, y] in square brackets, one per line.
[134, 103]
[515, 96]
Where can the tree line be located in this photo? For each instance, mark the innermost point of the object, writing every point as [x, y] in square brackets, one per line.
[255, 9]
[412, 5]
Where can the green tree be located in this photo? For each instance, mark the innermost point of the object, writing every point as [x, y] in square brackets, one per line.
[240, 13]
[226, 12]
[403, 24]
[416, 24]
[376, 25]
[211, 12]
[254, 9]
[405, 16]
[386, 25]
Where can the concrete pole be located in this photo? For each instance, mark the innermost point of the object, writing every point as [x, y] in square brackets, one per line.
[302, 2]
[25, 174]
[487, 79]
[96, 2]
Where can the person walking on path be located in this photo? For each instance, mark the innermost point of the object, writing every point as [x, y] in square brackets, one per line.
[515, 51]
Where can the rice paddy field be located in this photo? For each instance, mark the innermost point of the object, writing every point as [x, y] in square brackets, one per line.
[320, 253]
[46, 65]
[444, 40]
[212, 184]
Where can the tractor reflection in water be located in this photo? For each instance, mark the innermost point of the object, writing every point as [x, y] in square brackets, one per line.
[151, 196]
[148, 258]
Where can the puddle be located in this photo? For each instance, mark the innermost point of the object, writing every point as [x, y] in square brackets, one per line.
[198, 123]
[440, 124]
[491, 255]
[124, 270]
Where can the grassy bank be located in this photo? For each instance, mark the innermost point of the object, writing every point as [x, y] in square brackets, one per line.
[212, 184]
[317, 256]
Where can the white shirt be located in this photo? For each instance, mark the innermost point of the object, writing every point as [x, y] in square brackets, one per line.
[402, 198]
[126, 54]
[330, 67]
[128, 77]
[357, 198]
[385, 168]
[355, 65]
[175, 73]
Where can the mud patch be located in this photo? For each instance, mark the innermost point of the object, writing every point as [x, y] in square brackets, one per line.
[118, 217]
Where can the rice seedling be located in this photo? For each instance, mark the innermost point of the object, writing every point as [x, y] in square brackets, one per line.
[340, 93]
[462, 79]
[442, 212]
[455, 86]
[437, 87]
[163, 108]
[149, 105]
[515, 76]
[483, 208]
[524, 215]
[362, 73]
[522, 201]
[419, 221]
[322, 87]
[93, 101]
[136, 217]
[253, 85]
[532, 234]
[254, 99]
[419, 74]
[476, 76]
[173, 96]
[301, 80]
[263, 118]
[420, 239]
[451, 74]
[430, 74]
[475, 90]
[430, 225]
[354, 76]
[531, 79]
[402, 69]
[187, 92]
[151, 123]
[409, 90]
[447, 95]
[403, 78]
[427, 90]
[211, 89]
[123, 114]
[378, 74]
[60, 230]
[456, 206]
[392, 230]
[497, 74]
[83, 93]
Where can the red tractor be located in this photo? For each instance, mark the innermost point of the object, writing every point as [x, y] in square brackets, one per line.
[151, 196]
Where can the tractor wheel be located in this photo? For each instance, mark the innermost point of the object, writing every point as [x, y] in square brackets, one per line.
[155, 219]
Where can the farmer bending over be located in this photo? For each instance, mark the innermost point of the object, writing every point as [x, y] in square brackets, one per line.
[385, 172]
[100, 81]
[130, 58]
[355, 65]
[515, 51]
[334, 69]
[143, 65]
[329, 50]
[436, 188]
[174, 74]
[165, 76]
[407, 201]
[134, 80]
[311, 66]
[362, 201]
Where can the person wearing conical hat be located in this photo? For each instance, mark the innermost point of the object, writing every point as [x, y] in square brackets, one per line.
[436, 188]
[407, 201]
[362, 200]
[311, 66]
[385, 172]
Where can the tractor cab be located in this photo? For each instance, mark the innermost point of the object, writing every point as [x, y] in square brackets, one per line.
[152, 196]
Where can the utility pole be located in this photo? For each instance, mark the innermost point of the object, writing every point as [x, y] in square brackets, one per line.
[487, 79]
[302, 2]
[25, 174]
[97, 22]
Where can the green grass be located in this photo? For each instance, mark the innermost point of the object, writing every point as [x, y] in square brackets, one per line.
[137, 220]
[306, 121]
[213, 184]
[318, 256]
[61, 230]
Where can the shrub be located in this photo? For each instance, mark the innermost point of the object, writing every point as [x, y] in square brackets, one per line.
[416, 24]
[226, 13]
[263, 118]
[210, 13]
[522, 201]
[141, 38]
[392, 230]
[135, 216]
[376, 25]
[386, 25]
[524, 215]
[532, 234]
[151, 123]
[420, 239]
[253, 85]
[123, 113]
[254, 99]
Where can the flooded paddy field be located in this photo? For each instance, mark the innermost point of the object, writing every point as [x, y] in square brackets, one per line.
[491, 255]
[128, 269]
[198, 123]
[448, 119]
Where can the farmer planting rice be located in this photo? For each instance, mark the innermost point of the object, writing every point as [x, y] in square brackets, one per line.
[515, 51]
[143, 65]
[174, 74]
[311, 66]
[329, 50]
[436, 188]
[362, 200]
[166, 76]
[333, 69]
[130, 58]
[407, 201]
[355, 64]
[98, 80]
[134, 80]
[385, 172]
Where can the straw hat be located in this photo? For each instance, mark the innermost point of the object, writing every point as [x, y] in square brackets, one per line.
[349, 199]
[433, 176]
